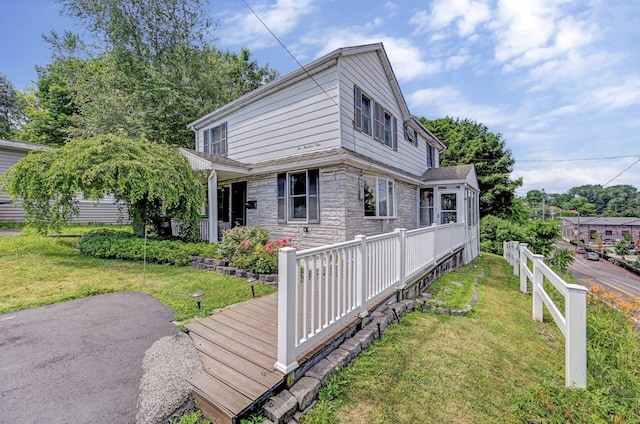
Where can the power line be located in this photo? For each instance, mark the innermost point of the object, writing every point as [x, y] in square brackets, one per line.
[577, 160]
[287, 50]
[623, 171]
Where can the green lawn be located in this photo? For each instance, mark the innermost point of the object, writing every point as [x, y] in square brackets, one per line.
[37, 270]
[495, 365]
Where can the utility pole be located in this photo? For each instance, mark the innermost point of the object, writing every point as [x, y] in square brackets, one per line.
[543, 203]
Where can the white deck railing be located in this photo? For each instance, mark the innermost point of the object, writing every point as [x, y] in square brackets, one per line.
[573, 323]
[321, 289]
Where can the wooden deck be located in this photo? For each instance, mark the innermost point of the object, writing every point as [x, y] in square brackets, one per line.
[238, 349]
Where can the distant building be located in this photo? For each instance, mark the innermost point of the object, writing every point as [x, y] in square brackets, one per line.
[610, 229]
[106, 211]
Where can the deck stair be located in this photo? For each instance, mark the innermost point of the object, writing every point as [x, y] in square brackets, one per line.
[238, 351]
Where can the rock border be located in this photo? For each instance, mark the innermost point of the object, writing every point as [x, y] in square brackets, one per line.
[290, 404]
[224, 267]
[457, 312]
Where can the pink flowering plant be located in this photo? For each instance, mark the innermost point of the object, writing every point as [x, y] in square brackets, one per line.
[266, 258]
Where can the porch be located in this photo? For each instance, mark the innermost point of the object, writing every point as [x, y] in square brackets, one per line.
[254, 349]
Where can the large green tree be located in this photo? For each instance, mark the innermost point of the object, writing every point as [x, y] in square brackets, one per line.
[147, 70]
[471, 142]
[153, 180]
[10, 111]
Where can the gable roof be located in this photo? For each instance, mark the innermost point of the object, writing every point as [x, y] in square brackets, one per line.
[452, 174]
[309, 70]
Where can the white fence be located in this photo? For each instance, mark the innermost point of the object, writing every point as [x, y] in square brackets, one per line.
[573, 323]
[321, 289]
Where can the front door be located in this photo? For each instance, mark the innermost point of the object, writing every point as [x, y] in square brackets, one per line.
[238, 204]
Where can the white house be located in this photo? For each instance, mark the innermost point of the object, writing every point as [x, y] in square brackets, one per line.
[327, 152]
[104, 211]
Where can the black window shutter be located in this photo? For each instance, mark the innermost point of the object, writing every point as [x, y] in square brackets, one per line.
[376, 121]
[223, 139]
[357, 109]
[395, 133]
[281, 197]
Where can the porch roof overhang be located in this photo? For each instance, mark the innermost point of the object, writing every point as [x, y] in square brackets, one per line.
[447, 175]
[225, 168]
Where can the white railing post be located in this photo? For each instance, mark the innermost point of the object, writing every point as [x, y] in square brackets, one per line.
[287, 298]
[450, 237]
[538, 281]
[361, 275]
[523, 264]
[402, 257]
[576, 337]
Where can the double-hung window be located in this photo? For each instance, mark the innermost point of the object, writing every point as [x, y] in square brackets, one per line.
[371, 118]
[431, 156]
[379, 197]
[298, 196]
[215, 140]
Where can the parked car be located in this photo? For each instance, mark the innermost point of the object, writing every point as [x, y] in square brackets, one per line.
[580, 250]
[592, 256]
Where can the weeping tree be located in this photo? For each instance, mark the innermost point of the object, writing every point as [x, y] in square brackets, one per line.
[152, 180]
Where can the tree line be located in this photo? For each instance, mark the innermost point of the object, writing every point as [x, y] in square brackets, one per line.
[147, 68]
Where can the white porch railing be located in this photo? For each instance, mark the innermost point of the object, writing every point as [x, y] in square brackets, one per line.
[320, 289]
[573, 323]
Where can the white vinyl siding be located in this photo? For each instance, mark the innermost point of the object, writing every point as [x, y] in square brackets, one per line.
[366, 72]
[103, 212]
[298, 118]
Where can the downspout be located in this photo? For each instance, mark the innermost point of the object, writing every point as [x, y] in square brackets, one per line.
[212, 185]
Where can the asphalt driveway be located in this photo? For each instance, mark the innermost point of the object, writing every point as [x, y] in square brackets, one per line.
[78, 361]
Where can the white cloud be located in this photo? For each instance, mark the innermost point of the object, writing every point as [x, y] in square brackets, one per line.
[283, 17]
[407, 57]
[466, 14]
[616, 96]
[448, 101]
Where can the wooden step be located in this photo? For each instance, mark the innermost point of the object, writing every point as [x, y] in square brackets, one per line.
[218, 401]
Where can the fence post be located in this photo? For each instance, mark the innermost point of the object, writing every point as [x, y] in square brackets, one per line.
[538, 280]
[515, 257]
[402, 258]
[287, 279]
[361, 275]
[505, 253]
[523, 264]
[576, 337]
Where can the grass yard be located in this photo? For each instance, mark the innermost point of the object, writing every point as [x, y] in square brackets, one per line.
[495, 365]
[36, 270]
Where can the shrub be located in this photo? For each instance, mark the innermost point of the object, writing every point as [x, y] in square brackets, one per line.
[238, 242]
[111, 244]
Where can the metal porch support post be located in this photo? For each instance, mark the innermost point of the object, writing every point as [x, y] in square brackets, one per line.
[287, 293]
[538, 280]
[361, 275]
[523, 264]
[401, 258]
[576, 337]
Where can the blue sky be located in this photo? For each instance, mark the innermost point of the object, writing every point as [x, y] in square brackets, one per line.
[560, 79]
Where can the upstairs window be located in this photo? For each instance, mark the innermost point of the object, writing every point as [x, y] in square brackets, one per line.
[411, 135]
[298, 197]
[215, 140]
[371, 118]
[431, 156]
[379, 197]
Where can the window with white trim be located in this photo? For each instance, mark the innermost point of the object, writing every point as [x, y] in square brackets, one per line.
[215, 140]
[371, 118]
[431, 156]
[298, 196]
[427, 208]
[410, 135]
[448, 208]
[379, 197]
